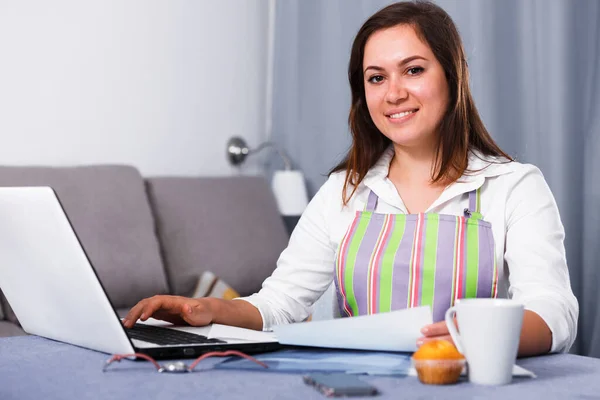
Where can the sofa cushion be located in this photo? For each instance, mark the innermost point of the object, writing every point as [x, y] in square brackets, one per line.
[109, 210]
[10, 329]
[229, 226]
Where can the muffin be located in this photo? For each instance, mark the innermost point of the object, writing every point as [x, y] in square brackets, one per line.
[438, 363]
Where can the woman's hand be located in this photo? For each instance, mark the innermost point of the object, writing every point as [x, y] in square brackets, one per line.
[438, 330]
[536, 336]
[175, 309]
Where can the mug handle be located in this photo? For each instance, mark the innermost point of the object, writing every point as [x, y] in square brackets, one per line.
[450, 313]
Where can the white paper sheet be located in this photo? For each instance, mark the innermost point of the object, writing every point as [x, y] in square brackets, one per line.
[231, 332]
[218, 331]
[390, 331]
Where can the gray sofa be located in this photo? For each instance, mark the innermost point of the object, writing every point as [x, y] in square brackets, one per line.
[157, 235]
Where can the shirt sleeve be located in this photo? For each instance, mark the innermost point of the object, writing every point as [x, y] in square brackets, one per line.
[535, 255]
[304, 269]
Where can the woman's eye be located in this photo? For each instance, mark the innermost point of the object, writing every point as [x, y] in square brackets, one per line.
[376, 79]
[415, 70]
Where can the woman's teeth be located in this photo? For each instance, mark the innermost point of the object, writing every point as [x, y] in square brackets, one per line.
[402, 114]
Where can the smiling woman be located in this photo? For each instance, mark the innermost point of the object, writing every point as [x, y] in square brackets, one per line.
[424, 210]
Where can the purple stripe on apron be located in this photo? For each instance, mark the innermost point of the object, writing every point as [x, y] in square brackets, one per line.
[340, 301]
[444, 269]
[473, 201]
[486, 270]
[361, 265]
[376, 278]
[372, 202]
[402, 266]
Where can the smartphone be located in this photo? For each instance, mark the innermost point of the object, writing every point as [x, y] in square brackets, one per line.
[339, 384]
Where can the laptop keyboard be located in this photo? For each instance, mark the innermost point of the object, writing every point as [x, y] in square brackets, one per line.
[165, 336]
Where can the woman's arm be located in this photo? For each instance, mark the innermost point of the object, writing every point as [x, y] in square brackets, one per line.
[304, 271]
[535, 256]
[536, 337]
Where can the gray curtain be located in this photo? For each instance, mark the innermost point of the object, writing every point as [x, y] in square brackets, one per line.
[535, 74]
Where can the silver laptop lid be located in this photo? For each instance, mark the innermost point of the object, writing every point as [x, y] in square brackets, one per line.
[47, 277]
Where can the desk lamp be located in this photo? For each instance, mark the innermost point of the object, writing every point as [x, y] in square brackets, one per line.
[287, 185]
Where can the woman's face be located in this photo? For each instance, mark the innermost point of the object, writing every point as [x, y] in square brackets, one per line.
[405, 86]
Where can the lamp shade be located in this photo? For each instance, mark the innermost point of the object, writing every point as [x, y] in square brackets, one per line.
[290, 192]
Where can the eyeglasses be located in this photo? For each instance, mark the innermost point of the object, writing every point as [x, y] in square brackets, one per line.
[180, 366]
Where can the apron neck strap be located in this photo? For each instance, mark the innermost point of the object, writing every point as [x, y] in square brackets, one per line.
[475, 200]
[371, 202]
[474, 205]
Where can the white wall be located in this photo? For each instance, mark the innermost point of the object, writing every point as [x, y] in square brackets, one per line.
[159, 84]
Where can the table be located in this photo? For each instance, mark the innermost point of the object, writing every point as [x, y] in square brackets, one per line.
[32, 367]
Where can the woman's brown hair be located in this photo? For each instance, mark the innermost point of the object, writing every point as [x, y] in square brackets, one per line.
[461, 129]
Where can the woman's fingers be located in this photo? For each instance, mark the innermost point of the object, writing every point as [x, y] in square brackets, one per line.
[436, 329]
[134, 314]
[156, 306]
[425, 339]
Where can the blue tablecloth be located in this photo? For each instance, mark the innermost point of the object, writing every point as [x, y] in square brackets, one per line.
[36, 368]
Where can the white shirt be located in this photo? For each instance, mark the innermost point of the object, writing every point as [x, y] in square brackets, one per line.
[515, 199]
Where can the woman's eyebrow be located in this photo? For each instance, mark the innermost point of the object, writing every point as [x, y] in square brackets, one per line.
[401, 63]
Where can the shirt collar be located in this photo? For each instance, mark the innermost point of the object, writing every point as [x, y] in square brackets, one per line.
[479, 168]
[485, 166]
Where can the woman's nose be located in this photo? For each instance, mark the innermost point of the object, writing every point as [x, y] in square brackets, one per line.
[396, 91]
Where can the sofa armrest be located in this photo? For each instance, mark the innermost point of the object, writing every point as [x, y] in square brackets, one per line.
[109, 210]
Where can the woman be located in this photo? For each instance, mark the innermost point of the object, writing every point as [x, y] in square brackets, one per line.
[425, 209]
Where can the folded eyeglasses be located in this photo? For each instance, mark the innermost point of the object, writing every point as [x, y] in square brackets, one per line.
[180, 366]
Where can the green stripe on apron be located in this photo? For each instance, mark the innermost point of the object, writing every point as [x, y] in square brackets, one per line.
[387, 266]
[472, 258]
[429, 259]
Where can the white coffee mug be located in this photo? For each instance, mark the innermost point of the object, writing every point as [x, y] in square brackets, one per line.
[489, 337]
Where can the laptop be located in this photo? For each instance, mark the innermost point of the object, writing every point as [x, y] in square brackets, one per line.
[55, 292]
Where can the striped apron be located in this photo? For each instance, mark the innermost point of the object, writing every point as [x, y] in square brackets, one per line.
[388, 262]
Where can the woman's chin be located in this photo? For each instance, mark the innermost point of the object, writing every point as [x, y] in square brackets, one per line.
[409, 139]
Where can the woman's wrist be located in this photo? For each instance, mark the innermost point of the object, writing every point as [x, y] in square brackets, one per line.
[213, 306]
[233, 312]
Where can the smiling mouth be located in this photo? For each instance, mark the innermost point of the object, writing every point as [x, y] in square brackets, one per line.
[402, 114]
